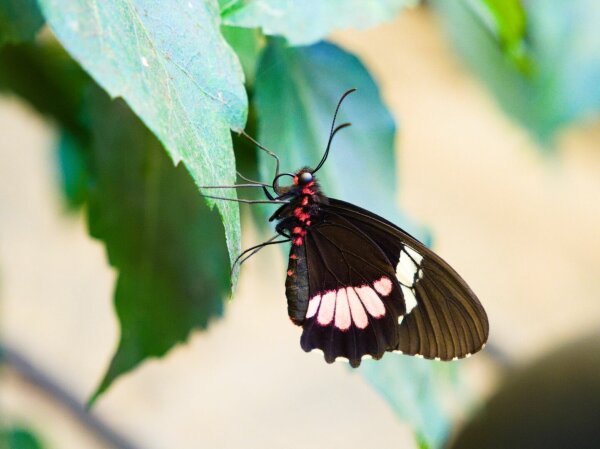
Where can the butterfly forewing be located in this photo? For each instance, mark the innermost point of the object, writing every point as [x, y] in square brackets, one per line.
[444, 319]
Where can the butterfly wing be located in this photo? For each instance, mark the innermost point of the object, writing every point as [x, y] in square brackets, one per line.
[355, 301]
[443, 318]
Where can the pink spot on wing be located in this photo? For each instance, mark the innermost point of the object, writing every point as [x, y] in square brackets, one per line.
[383, 286]
[327, 308]
[359, 316]
[290, 272]
[298, 241]
[293, 257]
[342, 311]
[371, 301]
[313, 306]
[305, 201]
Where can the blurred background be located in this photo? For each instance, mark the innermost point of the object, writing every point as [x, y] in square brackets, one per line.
[515, 214]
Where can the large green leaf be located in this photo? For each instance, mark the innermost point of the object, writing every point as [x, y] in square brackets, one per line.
[166, 245]
[175, 70]
[305, 22]
[16, 437]
[20, 20]
[296, 93]
[563, 39]
[168, 248]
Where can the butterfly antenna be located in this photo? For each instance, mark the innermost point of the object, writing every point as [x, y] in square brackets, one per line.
[252, 181]
[233, 186]
[333, 131]
[265, 149]
[244, 201]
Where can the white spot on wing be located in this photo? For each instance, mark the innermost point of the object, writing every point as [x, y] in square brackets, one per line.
[371, 301]
[406, 268]
[437, 359]
[409, 298]
[359, 316]
[327, 308]
[342, 310]
[313, 306]
[383, 286]
[454, 358]
[400, 319]
[367, 357]
[419, 356]
[415, 255]
[397, 351]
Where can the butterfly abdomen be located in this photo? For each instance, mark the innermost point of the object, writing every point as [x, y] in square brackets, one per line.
[296, 285]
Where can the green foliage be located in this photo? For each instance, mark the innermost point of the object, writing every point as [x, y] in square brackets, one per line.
[305, 22]
[73, 170]
[246, 42]
[562, 42]
[506, 20]
[189, 92]
[167, 247]
[173, 270]
[20, 20]
[16, 437]
[46, 77]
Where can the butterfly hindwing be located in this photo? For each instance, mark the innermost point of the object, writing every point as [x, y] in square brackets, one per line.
[444, 319]
[355, 300]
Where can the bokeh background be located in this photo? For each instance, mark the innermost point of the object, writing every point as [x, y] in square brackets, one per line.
[518, 221]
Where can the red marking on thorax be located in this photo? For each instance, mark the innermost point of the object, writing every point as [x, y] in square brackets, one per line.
[299, 231]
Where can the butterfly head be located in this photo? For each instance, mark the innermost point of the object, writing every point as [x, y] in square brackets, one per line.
[303, 177]
[300, 180]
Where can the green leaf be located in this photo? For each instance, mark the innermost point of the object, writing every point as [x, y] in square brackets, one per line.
[506, 21]
[166, 245]
[16, 437]
[305, 22]
[73, 170]
[44, 75]
[562, 41]
[20, 20]
[247, 43]
[174, 69]
[297, 89]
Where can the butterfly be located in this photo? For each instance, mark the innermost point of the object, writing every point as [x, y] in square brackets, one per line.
[360, 286]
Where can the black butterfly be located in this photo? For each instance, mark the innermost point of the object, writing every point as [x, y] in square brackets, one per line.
[359, 285]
